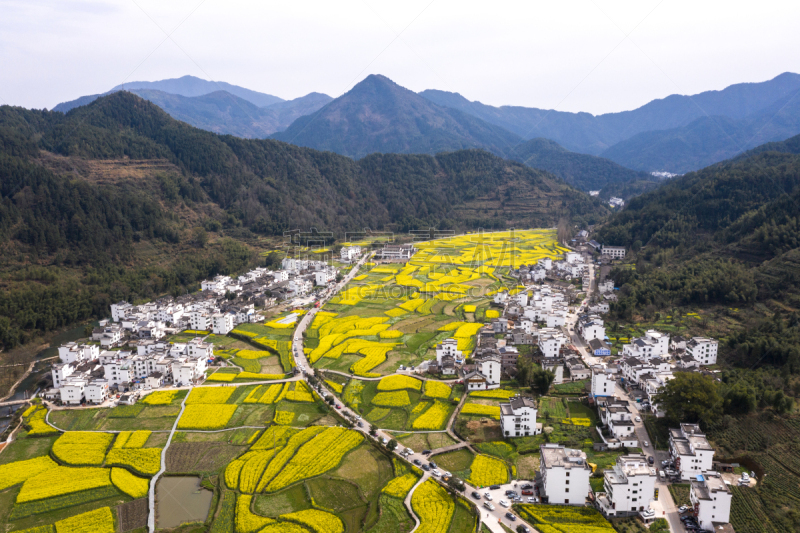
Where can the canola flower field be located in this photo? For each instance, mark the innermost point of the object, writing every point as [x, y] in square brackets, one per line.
[396, 313]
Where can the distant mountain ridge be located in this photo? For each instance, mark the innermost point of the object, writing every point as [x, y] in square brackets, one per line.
[378, 115]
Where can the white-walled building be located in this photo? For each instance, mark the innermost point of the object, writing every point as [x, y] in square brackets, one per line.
[565, 475]
[349, 253]
[591, 327]
[616, 416]
[120, 310]
[690, 450]
[653, 344]
[550, 342]
[603, 382]
[323, 277]
[615, 252]
[518, 418]
[72, 352]
[606, 286]
[96, 391]
[300, 286]
[448, 347]
[200, 320]
[222, 323]
[72, 392]
[629, 486]
[703, 349]
[711, 499]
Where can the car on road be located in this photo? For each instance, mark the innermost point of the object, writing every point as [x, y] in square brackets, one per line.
[524, 529]
[511, 517]
[487, 496]
[504, 503]
[488, 506]
[476, 494]
[359, 424]
[417, 462]
[494, 487]
[436, 473]
[433, 465]
[409, 451]
[646, 444]
[650, 459]
[338, 406]
[426, 452]
[638, 418]
[426, 468]
[447, 474]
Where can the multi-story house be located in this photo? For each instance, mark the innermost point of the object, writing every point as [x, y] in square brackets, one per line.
[349, 253]
[690, 450]
[711, 499]
[617, 418]
[550, 342]
[603, 382]
[703, 349]
[629, 486]
[518, 417]
[565, 475]
[222, 323]
[72, 352]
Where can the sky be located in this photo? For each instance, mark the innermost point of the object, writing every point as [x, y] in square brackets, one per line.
[596, 56]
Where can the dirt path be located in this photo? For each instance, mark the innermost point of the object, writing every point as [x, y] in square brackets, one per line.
[151, 497]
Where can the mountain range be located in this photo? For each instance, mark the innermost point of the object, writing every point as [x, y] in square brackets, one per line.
[675, 134]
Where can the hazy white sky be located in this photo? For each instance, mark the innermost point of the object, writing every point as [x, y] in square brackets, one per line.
[594, 55]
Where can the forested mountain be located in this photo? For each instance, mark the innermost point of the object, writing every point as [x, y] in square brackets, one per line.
[117, 199]
[586, 133]
[585, 172]
[377, 115]
[727, 234]
[183, 86]
[709, 139]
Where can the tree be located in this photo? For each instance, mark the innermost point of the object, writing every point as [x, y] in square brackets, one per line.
[455, 483]
[691, 397]
[372, 430]
[542, 379]
[660, 525]
[740, 399]
[391, 445]
[199, 237]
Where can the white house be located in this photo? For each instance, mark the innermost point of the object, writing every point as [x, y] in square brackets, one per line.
[690, 450]
[325, 276]
[573, 257]
[603, 382]
[300, 286]
[565, 475]
[222, 323]
[606, 286]
[711, 499]
[591, 327]
[616, 416]
[629, 486]
[518, 418]
[96, 391]
[545, 262]
[600, 307]
[72, 352]
[199, 349]
[703, 349]
[448, 347]
[615, 252]
[490, 367]
[200, 320]
[348, 253]
[120, 310]
[653, 344]
[72, 392]
[550, 341]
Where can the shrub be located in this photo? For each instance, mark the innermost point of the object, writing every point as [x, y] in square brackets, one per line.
[133, 486]
[398, 381]
[487, 471]
[97, 521]
[82, 447]
[318, 521]
[14, 473]
[434, 507]
[199, 416]
[437, 389]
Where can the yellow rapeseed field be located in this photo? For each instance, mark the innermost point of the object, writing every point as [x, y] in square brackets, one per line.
[82, 447]
[142, 460]
[437, 389]
[397, 382]
[62, 480]
[399, 486]
[246, 520]
[487, 470]
[206, 395]
[434, 507]
[160, 397]
[434, 418]
[14, 473]
[201, 416]
[392, 399]
[492, 411]
[133, 486]
[318, 521]
[97, 521]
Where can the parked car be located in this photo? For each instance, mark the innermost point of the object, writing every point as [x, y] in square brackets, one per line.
[646, 444]
[504, 503]
[447, 474]
[426, 468]
[476, 494]
[417, 462]
[436, 473]
[525, 529]
[426, 452]
[338, 406]
[650, 459]
[487, 496]
[638, 418]
[433, 465]
[511, 517]
[527, 486]
[531, 500]
[494, 487]
[682, 509]
[488, 506]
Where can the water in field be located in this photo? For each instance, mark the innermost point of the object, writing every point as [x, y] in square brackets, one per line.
[180, 500]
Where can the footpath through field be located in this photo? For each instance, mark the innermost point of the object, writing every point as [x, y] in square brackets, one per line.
[151, 497]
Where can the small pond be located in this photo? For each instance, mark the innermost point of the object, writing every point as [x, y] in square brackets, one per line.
[180, 500]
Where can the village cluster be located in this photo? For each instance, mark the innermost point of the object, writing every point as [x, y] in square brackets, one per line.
[92, 373]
